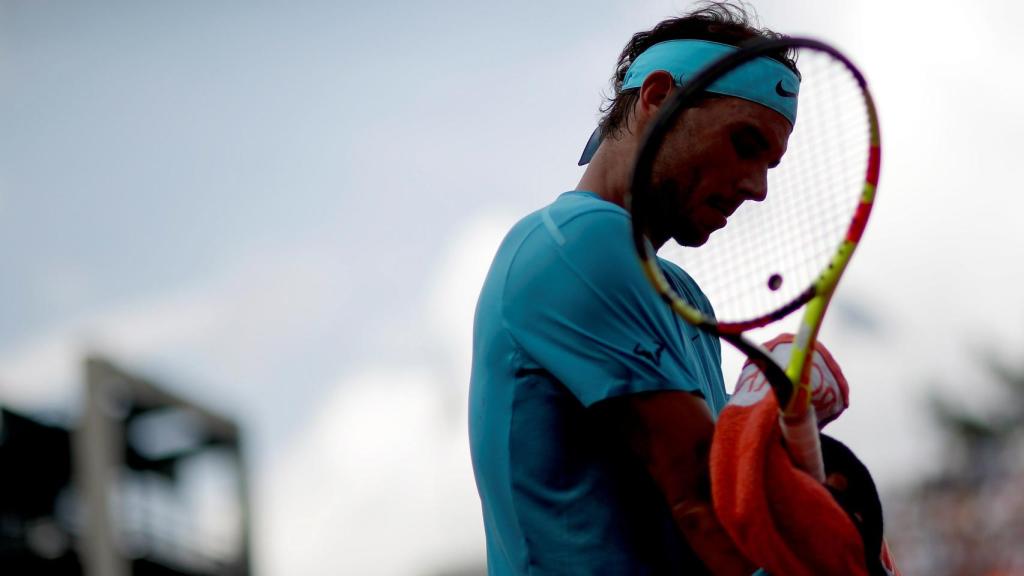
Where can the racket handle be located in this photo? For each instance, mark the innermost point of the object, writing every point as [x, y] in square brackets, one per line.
[803, 443]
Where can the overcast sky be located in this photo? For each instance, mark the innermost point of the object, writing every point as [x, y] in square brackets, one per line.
[285, 210]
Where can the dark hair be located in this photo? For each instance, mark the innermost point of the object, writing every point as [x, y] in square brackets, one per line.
[859, 498]
[724, 21]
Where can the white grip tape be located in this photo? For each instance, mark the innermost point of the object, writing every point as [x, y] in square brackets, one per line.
[804, 445]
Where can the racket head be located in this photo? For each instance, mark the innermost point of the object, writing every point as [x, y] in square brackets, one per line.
[792, 247]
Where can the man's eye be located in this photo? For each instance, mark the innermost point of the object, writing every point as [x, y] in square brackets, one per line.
[745, 148]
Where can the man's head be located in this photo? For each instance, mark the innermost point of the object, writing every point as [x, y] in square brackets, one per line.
[720, 22]
[717, 155]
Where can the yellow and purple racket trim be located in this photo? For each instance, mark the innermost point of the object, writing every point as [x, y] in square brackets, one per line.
[789, 382]
[798, 367]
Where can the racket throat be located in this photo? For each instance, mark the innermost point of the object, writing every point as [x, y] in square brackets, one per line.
[803, 444]
[799, 368]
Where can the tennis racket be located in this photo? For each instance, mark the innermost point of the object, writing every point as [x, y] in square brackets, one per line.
[788, 251]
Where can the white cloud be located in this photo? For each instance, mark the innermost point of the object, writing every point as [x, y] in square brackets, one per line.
[386, 458]
[455, 287]
[377, 466]
[235, 324]
[38, 375]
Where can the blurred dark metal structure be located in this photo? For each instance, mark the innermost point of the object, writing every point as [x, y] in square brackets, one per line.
[36, 523]
[123, 493]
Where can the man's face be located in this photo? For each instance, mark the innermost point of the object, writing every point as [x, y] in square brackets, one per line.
[716, 158]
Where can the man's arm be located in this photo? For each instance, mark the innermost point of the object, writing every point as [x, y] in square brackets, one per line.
[670, 433]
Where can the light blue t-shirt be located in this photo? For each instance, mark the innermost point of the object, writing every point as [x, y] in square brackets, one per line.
[565, 320]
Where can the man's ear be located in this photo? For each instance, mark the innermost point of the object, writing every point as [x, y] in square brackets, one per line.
[653, 93]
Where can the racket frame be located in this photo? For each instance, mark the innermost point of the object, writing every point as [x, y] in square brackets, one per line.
[791, 384]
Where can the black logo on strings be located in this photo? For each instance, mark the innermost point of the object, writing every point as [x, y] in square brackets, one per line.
[652, 356]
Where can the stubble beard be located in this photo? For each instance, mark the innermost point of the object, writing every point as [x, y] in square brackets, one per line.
[672, 220]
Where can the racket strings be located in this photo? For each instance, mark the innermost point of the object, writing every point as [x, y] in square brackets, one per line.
[772, 251]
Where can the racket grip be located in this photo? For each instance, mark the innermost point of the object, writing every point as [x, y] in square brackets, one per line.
[803, 443]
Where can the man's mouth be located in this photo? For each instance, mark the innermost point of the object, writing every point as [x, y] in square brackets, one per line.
[725, 208]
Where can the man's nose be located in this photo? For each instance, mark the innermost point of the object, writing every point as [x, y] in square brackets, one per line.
[755, 186]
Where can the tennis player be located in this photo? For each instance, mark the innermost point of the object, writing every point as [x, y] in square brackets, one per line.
[592, 406]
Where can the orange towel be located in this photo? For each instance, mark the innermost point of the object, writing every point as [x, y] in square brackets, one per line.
[778, 516]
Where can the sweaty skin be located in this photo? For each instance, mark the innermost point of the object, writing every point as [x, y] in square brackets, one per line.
[716, 158]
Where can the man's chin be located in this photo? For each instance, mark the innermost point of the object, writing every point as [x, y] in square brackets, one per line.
[691, 238]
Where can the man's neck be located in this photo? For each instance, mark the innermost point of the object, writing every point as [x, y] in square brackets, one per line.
[608, 173]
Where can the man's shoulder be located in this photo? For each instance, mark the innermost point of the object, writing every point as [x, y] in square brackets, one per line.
[578, 240]
[575, 220]
[580, 220]
[572, 205]
[576, 204]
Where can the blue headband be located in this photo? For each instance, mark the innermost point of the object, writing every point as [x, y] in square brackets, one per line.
[761, 80]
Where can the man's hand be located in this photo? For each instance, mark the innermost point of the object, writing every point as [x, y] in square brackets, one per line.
[830, 393]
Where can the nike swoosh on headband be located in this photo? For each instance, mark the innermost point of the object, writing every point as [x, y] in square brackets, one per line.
[781, 91]
[761, 80]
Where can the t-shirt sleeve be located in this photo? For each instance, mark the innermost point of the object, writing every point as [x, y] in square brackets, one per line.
[578, 305]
